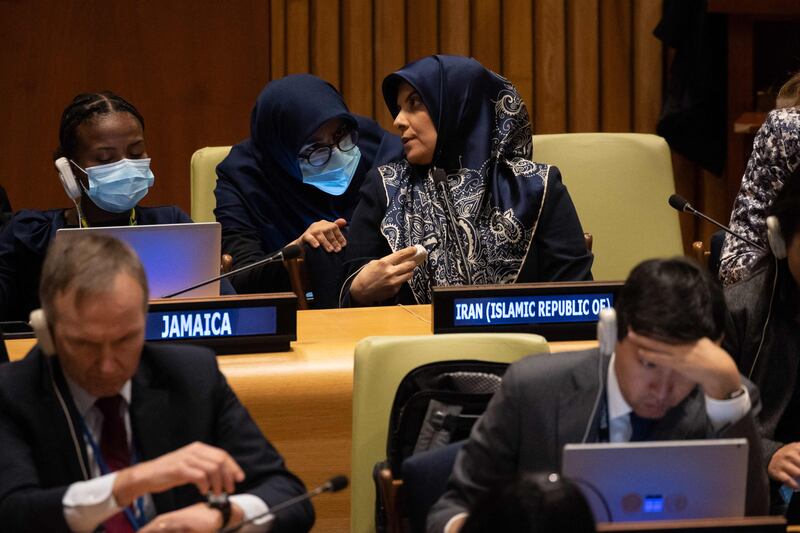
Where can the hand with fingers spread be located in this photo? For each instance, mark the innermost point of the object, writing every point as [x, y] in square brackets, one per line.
[326, 234]
[210, 469]
[784, 466]
[702, 361]
[382, 278]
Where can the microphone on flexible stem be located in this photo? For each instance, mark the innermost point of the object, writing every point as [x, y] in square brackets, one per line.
[440, 178]
[334, 484]
[290, 251]
[681, 204]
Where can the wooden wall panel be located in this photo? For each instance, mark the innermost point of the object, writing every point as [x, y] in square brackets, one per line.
[390, 50]
[517, 50]
[615, 65]
[357, 49]
[194, 76]
[297, 36]
[454, 24]
[550, 107]
[485, 29]
[423, 30]
[583, 65]
[277, 35]
[580, 65]
[325, 41]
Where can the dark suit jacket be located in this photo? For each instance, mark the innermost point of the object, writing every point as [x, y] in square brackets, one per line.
[544, 403]
[776, 370]
[178, 396]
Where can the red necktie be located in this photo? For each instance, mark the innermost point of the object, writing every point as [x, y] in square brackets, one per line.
[117, 455]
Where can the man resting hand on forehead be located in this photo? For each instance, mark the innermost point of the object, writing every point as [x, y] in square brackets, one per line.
[667, 379]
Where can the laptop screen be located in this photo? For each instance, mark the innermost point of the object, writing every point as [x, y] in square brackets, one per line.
[660, 480]
[175, 256]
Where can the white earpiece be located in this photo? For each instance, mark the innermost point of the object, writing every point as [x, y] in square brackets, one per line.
[607, 331]
[68, 181]
[776, 243]
[38, 323]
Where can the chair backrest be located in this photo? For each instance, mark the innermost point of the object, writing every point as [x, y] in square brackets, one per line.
[380, 365]
[619, 183]
[710, 258]
[204, 179]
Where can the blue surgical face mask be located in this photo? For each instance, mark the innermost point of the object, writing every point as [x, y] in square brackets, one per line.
[117, 187]
[333, 177]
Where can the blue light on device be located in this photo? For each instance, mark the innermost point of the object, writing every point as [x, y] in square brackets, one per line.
[210, 323]
[543, 309]
[653, 504]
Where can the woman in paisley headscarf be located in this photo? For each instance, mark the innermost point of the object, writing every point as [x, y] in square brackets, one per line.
[467, 191]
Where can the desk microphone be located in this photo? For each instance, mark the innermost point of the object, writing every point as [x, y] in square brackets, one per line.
[440, 178]
[290, 251]
[681, 204]
[334, 484]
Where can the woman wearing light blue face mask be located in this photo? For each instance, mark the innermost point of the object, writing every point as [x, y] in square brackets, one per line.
[296, 179]
[105, 172]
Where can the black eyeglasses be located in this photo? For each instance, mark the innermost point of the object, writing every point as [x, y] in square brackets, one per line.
[345, 141]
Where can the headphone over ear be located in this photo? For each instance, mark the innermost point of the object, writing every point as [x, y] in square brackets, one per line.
[775, 237]
[41, 328]
[68, 180]
[607, 330]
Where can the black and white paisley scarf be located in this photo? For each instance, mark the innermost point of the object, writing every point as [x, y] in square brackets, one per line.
[495, 191]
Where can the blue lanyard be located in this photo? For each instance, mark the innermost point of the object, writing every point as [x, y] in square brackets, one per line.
[136, 522]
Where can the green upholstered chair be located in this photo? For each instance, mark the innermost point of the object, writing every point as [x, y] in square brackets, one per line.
[380, 365]
[620, 183]
[204, 179]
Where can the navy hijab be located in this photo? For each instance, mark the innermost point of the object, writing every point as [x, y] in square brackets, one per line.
[484, 149]
[264, 172]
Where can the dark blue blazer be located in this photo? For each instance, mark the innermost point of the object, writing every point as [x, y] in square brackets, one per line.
[179, 396]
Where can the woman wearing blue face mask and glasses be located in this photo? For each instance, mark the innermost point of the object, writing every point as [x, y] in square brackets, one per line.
[296, 179]
[105, 171]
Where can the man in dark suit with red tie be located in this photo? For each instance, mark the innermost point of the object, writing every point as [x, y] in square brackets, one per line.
[99, 428]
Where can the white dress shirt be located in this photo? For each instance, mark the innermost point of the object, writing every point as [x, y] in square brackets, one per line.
[89, 503]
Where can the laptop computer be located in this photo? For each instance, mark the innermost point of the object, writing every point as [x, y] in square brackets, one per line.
[175, 256]
[660, 480]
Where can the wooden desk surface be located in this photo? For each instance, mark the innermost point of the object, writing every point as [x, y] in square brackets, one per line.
[302, 399]
[754, 524]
